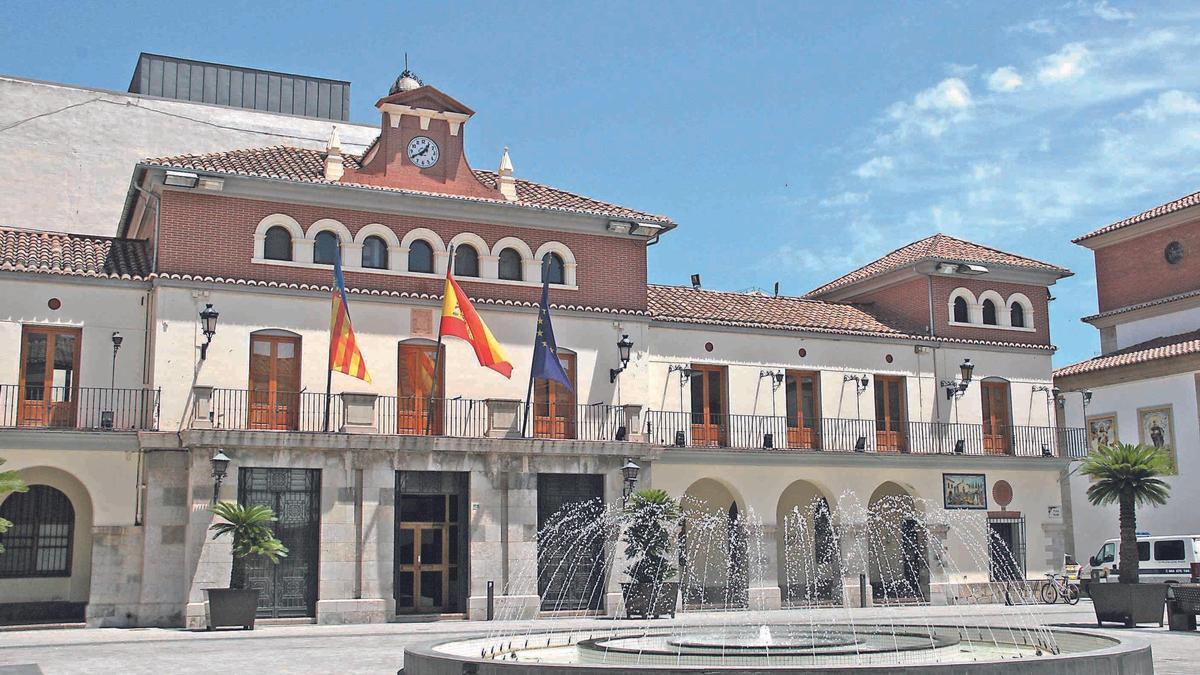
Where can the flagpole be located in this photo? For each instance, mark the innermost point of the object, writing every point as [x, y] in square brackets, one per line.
[329, 357]
[528, 412]
[437, 353]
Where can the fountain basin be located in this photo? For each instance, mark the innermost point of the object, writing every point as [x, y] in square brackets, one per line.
[793, 649]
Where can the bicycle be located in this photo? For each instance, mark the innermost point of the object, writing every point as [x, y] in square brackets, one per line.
[1058, 585]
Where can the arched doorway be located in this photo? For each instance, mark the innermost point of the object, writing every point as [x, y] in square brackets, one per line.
[45, 572]
[896, 545]
[809, 559]
[714, 558]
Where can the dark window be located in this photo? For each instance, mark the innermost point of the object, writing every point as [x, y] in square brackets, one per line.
[1016, 315]
[553, 269]
[375, 253]
[325, 251]
[278, 244]
[960, 310]
[1169, 550]
[989, 312]
[466, 261]
[39, 542]
[420, 257]
[510, 264]
[1143, 551]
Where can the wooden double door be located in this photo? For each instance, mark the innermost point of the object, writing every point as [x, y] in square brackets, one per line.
[431, 546]
[274, 396]
[554, 404]
[49, 390]
[288, 588]
[996, 427]
[802, 393]
[890, 435]
[421, 389]
[710, 423]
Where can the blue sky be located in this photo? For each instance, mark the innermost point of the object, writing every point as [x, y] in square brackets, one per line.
[791, 141]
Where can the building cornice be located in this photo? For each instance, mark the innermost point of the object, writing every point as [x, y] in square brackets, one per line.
[1136, 230]
[1145, 310]
[671, 455]
[1134, 372]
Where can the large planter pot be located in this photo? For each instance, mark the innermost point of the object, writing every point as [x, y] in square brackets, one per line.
[232, 607]
[650, 600]
[1129, 604]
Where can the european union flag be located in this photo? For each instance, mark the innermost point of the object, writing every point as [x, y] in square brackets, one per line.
[546, 365]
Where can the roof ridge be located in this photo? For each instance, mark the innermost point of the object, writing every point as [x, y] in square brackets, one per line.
[1162, 209]
[64, 233]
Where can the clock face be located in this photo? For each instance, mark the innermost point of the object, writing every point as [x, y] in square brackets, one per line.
[1173, 252]
[423, 152]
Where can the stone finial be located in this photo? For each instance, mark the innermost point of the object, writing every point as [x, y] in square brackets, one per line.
[334, 169]
[506, 183]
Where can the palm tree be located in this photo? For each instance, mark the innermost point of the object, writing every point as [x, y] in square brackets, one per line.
[10, 482]
[1128, 475]
[250, 527]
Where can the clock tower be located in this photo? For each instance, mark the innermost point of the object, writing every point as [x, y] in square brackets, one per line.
[420, 144]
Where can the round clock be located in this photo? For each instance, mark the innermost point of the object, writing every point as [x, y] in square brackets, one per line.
[423, 152]
[1174, 252]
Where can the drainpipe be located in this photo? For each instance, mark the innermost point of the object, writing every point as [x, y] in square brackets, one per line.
[157, 223]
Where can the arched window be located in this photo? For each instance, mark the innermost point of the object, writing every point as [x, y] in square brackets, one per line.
[1016, 315]
[325, 250]
[39, 542]
[553, 269]
[278, 244]
[420, 257]
[466, 261]
[375, 253]
[989, 312]
[960, 310]
[510, 264]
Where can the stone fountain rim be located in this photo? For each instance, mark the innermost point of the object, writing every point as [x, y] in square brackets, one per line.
[426, 654]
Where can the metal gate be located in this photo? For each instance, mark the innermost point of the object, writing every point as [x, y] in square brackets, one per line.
[571, 568]
[288, 589]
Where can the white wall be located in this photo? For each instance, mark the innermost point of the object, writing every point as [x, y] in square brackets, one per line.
[1093, 524]
[1134, 332]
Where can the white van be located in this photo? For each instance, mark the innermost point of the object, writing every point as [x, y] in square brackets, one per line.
[1170, 559]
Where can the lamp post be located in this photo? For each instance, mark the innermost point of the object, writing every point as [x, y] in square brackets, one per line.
[116, 340]
[630, 473]
[220, 465]
[624, 350]
[956, 388]
[208, 325]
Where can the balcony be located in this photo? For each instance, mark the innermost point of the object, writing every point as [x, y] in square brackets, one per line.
[249, 410]
[78, 408]
[766, 432]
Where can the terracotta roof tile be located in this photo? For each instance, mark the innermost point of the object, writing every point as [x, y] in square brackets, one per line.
[684, 304]
[1151, 350]
[305, 165]
[1160, 210]
[936, 247]
[1141, 305]
[77, 254]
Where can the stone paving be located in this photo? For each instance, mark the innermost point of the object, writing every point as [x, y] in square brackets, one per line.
[378, 648]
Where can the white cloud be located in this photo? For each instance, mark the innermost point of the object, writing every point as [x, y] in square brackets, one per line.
[1037, 26]
[951, 93]
[984, 170]
[1067, 63]
[1004, 79]
[1109, 13]
[875, 167]
[933, 110]
[1170, 103]
[845, 199]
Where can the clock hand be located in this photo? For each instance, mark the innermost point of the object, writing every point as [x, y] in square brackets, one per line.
[423, 151]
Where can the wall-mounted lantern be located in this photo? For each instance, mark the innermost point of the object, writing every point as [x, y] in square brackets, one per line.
[220, 465]
[624, 351]
[956, 388]
[208, 326]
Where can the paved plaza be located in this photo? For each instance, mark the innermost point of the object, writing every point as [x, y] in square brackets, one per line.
[378, 648]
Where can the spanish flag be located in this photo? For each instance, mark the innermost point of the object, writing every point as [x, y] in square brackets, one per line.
[460, 320]
[344, 356]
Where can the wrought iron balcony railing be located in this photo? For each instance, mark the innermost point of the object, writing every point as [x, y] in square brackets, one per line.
[747, 432]
[82, 408]
[260, 409]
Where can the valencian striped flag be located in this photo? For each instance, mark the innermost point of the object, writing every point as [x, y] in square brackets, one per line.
[460, 320]
[344, 356]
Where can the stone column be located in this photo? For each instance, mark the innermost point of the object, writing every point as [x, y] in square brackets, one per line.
[358, 413]
[339, 593]
[165, 527]
[941, 586]
[855, 562]
[378, 533]
[201, 407]
[764, 570]
[503, 541]
[522, 599]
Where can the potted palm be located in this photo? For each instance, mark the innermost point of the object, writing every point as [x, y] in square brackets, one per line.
[249, 525]
[1128, 475]
[10, 482]
[653, 519]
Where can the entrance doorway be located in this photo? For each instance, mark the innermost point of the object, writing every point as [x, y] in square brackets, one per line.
[274, 382]
[889, 414]
[1006, 548]
[995, 417]
[289, 588]
[710, 427]
[431, 543]
[49, 377]
[571, 569]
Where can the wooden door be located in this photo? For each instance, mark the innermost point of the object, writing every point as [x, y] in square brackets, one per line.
[423, 568]
[554, 404]
[995, 417]
[415, 386]
[49, 389]
[274, 382]
[889, 414]
[710, 423]
[802, 390]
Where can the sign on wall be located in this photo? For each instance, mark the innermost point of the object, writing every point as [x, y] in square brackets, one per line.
[964, 490]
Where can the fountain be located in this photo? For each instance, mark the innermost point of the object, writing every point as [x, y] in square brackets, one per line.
[895, 550]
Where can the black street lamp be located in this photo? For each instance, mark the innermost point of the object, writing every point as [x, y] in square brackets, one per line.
[220, 465]
[624, 350]
[208, 325]
[630, 473]
[954, 388]
[116, 340]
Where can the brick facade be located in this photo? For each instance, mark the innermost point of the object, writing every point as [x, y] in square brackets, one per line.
[1136, 270]
[213, 235]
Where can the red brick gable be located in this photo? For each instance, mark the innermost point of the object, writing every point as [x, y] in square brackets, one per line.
[1136, 271]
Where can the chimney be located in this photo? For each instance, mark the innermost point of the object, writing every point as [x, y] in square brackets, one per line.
[505, 181]
[333, 157]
